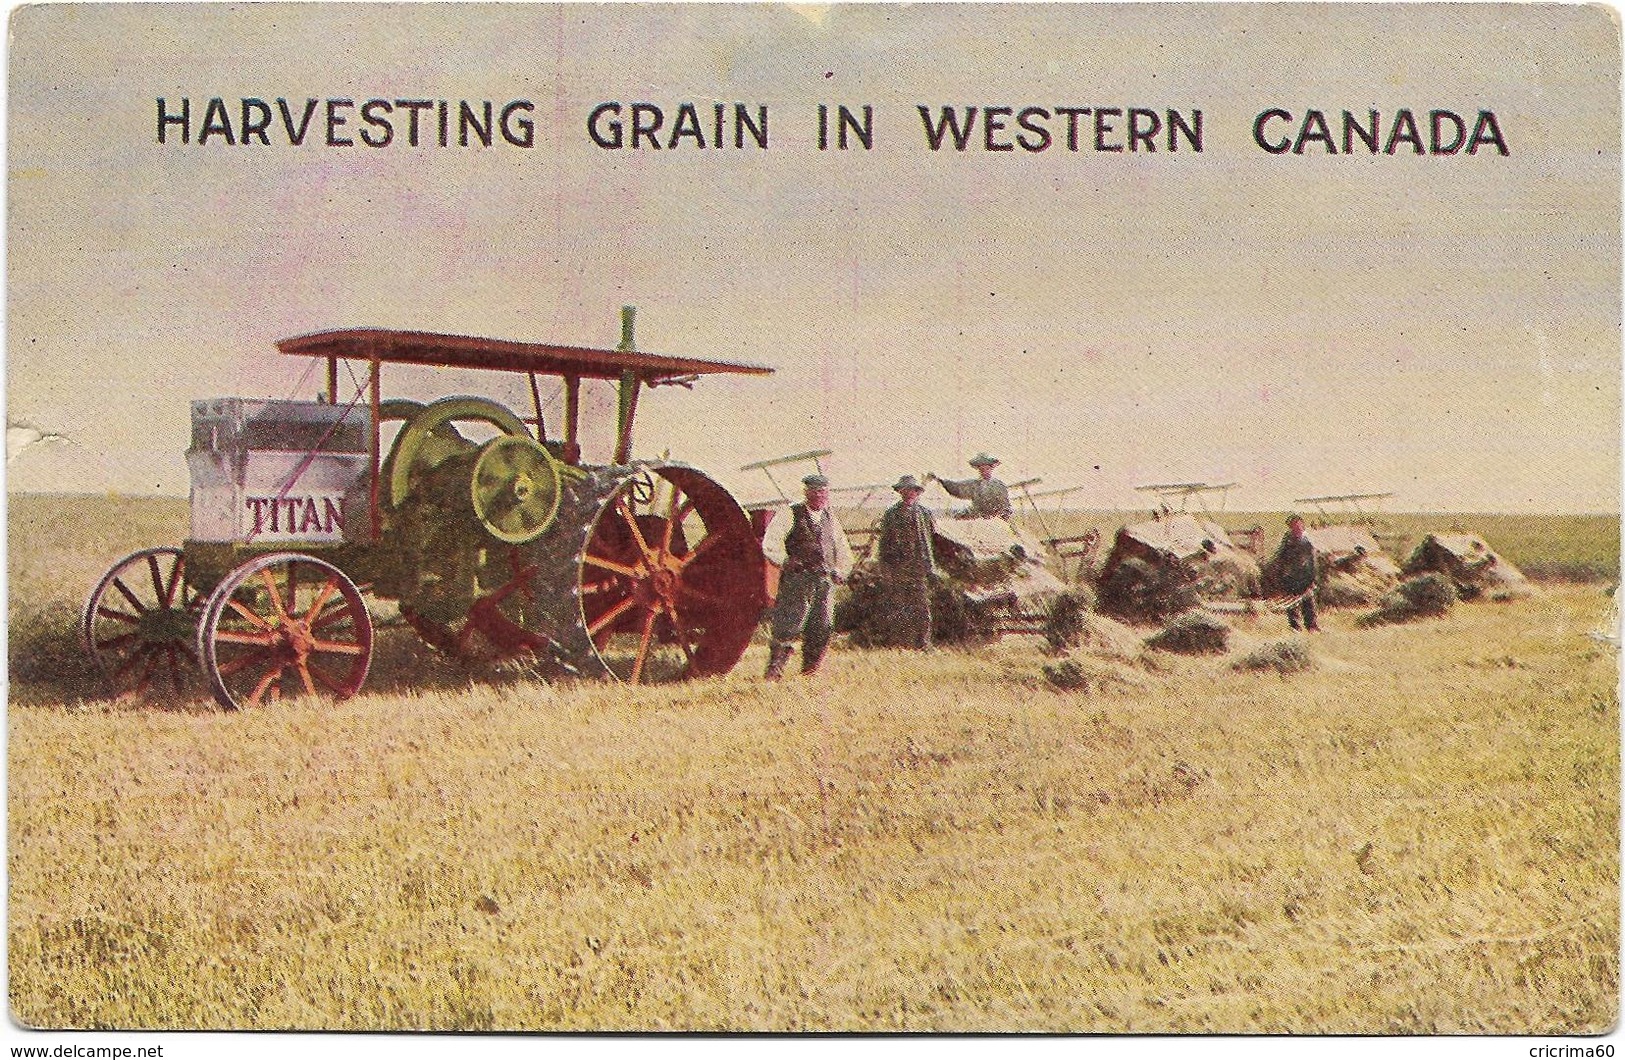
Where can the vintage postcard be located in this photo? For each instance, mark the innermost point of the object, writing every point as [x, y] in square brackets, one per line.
[801, 518]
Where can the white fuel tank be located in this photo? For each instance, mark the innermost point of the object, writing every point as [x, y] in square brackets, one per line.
[275, 472]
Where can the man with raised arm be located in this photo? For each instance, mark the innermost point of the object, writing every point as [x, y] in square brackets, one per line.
[989, 498]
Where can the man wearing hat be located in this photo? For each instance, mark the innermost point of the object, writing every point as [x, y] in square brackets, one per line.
[812, 550]
[907, 564]
[987, 495]
[1294, 571]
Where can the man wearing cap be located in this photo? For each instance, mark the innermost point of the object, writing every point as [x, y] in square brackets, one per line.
[987, 495]
[1293, 570]
[907, 564]
[812, 550]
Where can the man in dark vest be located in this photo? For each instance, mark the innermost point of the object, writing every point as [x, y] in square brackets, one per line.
[814, 556]
[907, 565]
[1293, 569]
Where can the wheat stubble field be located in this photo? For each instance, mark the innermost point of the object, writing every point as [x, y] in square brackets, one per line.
[1419, 835]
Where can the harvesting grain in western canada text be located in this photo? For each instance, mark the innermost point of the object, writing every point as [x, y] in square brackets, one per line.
[990, 129]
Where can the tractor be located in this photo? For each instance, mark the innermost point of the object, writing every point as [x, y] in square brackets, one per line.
[489, 535]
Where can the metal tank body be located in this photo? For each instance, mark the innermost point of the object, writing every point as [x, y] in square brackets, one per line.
[277, 472]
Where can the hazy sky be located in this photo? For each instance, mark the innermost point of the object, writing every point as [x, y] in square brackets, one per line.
[1444, 327]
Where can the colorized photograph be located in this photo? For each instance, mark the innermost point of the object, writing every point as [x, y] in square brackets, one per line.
[1065, 518]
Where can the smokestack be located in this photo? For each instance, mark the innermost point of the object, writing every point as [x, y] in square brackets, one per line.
[628, 315]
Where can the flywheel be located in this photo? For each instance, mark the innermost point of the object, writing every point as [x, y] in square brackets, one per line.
[515, 489]
[430, 438]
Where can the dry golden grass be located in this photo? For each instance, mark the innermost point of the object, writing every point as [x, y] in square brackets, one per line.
[1420, 834]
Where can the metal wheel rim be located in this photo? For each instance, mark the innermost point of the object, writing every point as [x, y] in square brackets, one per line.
[261, 638]
[137, 638]
[670, 608]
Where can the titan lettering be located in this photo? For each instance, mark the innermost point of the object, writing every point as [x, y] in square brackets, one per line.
[296, 515]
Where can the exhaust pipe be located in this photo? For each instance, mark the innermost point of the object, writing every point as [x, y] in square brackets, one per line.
[628, 316]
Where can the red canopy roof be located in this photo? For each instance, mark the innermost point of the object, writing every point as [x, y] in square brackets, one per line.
[503, 355]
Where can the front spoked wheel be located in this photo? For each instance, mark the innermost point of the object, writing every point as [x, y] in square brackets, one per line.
[284, 625]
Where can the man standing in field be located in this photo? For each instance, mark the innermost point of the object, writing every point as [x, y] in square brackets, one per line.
[989, 498]
[907, 565]
[1293, 567]
[812, 550]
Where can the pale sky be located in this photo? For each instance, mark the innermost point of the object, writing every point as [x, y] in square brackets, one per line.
[1447, 328]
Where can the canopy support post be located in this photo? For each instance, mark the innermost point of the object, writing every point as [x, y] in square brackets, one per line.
[536, 401]
[628, 409]
[373, 373]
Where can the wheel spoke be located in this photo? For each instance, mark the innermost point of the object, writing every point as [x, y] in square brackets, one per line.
[643, 645]
[231, 636]
[118, 616]
[157, 579]
[270, 586]
[611, 565]
[683, 634]
[271, 675]
[146, 673]
[141, 682]
[124, 590]
[174, 666]
[708, 542]
[116, 642]
[671, 521]
[341, 611]
[128, 664]
[292, 596]
[321, 598]
[242, 609]
[611, 615]
[226, 669]
[632, 521]
[304, 675]
[594, 588]
[336, 647]
[175, 573]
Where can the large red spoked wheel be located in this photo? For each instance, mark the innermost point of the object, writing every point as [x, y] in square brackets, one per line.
[140, 623]
[671, 578]
[647, 575]
[284, 625]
